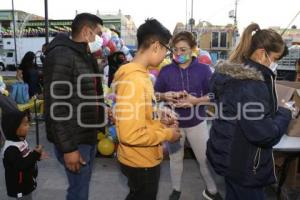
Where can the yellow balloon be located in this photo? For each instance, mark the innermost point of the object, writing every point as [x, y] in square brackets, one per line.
[106, 147]
[100, 136]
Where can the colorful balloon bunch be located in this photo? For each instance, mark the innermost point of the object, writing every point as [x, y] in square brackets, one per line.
[112, 43]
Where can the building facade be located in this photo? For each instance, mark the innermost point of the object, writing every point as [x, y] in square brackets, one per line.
[123, 24]
[216, 39]
[29, 25]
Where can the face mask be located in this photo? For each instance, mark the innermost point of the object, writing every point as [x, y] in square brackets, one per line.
[181, 59]
[96, 45]
[273, 65]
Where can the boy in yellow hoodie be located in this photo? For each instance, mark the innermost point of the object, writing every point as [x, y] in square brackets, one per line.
[139, 127]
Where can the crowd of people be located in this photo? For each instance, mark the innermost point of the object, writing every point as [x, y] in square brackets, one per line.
[149, 110]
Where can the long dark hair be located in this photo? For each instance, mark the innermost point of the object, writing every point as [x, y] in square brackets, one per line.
[28, 61]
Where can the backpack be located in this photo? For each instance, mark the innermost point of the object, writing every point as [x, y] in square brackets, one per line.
[19, 92]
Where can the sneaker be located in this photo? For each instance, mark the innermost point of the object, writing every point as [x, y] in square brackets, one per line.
[209, 196]
[175, 195]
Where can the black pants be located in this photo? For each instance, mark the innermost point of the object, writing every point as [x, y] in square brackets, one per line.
[142, 182]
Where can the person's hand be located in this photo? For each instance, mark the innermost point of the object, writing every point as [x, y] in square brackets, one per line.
[186, 102]
[168, 117]
[73, 161]
[44, 155]
[176, 135]
[40, 150]
[292, 107]
[171, 97]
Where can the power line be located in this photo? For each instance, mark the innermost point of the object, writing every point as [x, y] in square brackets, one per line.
[290, 23]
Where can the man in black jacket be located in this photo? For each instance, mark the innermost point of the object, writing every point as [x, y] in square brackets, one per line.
[74, 101]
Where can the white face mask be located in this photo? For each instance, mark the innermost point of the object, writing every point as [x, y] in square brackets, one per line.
[96, 45]
[273, 65]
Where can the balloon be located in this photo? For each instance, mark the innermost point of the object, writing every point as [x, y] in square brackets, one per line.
[111, 96]
[125, 50]
[115, 38]
[127, 53]
[154, 71]
[106, 35]
[195, 52]
[152, 78]
[203, 52]
[106, 51]
[165, 62]
[105, 40]
[106, 147]
[122, 42]
[100, 136]
[111, 45]
[113, 132]
[204, 59]
[98, 54]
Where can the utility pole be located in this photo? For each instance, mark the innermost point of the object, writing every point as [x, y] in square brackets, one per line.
[46, 22]
[233, 14]
[192, 21]
[186, 14]
[235, 33]
[14, 28]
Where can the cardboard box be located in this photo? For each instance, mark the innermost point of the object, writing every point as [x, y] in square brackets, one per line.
[293, 172]
[293, 178]
[290, 91]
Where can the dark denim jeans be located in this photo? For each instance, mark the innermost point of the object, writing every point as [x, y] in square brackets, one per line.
[79, 182]
[142, 182]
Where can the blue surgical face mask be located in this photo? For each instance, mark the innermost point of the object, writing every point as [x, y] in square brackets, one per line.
[181, 59]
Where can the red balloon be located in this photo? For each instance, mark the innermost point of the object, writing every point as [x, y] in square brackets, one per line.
[204, 59]
[98, 54]
[112, 46]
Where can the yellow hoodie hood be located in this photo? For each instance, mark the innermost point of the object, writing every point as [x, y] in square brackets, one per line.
[128, 69]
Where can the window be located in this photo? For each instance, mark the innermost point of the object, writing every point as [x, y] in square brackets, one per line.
[215, 39]
[9, 54]
[219, 39]
[223, 42]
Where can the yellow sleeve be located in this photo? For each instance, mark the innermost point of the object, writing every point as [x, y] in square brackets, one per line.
[131, 115]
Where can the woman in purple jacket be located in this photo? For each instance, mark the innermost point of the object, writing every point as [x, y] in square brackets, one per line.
[185, 84]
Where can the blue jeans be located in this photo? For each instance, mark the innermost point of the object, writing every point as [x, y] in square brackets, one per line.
[79, 182]
[238, 192]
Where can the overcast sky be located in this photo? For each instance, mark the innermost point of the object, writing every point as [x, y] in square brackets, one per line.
[264, 12]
